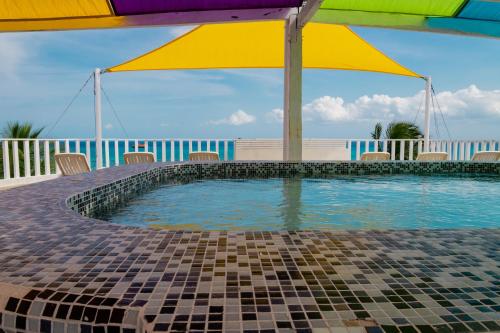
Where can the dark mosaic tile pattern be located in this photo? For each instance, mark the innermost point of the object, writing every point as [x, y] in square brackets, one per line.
[60, 271]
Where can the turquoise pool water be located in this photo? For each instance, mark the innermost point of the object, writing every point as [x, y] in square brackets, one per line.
[354, 202]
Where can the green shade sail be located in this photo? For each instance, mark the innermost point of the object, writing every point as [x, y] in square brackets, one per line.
[470, 17]
[414, 7]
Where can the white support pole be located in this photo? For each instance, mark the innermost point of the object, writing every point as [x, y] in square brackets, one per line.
[427, 120]
[98, 120]
[292, 120]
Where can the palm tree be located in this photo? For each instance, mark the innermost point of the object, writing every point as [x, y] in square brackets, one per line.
[398, 131]
[403, 130]
[17, 130]
[377, 132]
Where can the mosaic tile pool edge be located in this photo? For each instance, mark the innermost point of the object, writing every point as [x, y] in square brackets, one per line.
[363, 281]
[91, 202]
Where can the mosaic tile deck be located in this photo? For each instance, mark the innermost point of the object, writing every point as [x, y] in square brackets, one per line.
[63, 272]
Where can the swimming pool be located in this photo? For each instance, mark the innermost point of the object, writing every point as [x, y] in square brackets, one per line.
[377, 202]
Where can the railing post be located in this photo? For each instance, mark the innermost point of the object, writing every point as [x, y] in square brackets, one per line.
[36, 152]
[349, 149]
[163, 151]
[358, 150]
[87, 151]
[15, 155]
[402, 150]
[155, 150]
[181, 150]
[46, 152]
[117, 152]
[27, 158]
[66, 146]
[410, 151]
[6, 159]
[56, 151]
[106, 151]
[393, 150]
[226, 152]
[172, 150]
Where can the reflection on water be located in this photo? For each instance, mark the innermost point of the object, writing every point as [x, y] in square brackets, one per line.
[362, 202]
[291, 208]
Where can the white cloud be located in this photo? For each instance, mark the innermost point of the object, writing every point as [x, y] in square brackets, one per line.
[470, 102]
[13, 53]
[275, 116]
[238, 118]
[108, 126]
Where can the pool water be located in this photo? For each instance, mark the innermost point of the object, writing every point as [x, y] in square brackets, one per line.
[344, 202]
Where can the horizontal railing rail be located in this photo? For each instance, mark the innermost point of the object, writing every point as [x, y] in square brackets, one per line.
[25, 158]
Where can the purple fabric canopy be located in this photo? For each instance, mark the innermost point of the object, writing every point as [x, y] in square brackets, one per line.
[134, 7]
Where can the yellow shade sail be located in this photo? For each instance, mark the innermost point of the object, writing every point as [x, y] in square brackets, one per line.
[26, 10]
[261, 45]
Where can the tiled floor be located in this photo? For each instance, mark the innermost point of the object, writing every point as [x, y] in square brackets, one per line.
[81, 275]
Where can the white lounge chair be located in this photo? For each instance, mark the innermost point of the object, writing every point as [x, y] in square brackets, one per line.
[379, 156]
[72, 163]
[487, 156]
[138, 158]
[432, 156]
[203, 156]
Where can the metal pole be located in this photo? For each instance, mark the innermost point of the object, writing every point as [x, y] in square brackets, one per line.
[98, 120]
[427, 121]
[292, 118]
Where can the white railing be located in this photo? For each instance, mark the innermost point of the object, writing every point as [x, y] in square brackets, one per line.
[34, 158]
[23, 158]
[458, 150]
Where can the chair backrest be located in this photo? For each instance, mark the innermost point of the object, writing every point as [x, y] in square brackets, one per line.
[72, 163]
[203, 156]
[432, 156]
[379, 156]
[486, 156]
[138, 158]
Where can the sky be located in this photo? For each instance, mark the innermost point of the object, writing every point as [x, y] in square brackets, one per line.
[41, 72]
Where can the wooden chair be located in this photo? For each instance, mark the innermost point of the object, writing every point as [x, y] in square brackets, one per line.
[138, 158]
[203, 156]
[379, 156]
[432, 156]
[72, 163]
[486, 156]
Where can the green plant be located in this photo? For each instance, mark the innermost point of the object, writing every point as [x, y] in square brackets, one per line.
[377, 132]
[401, 130]
[18, 130]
